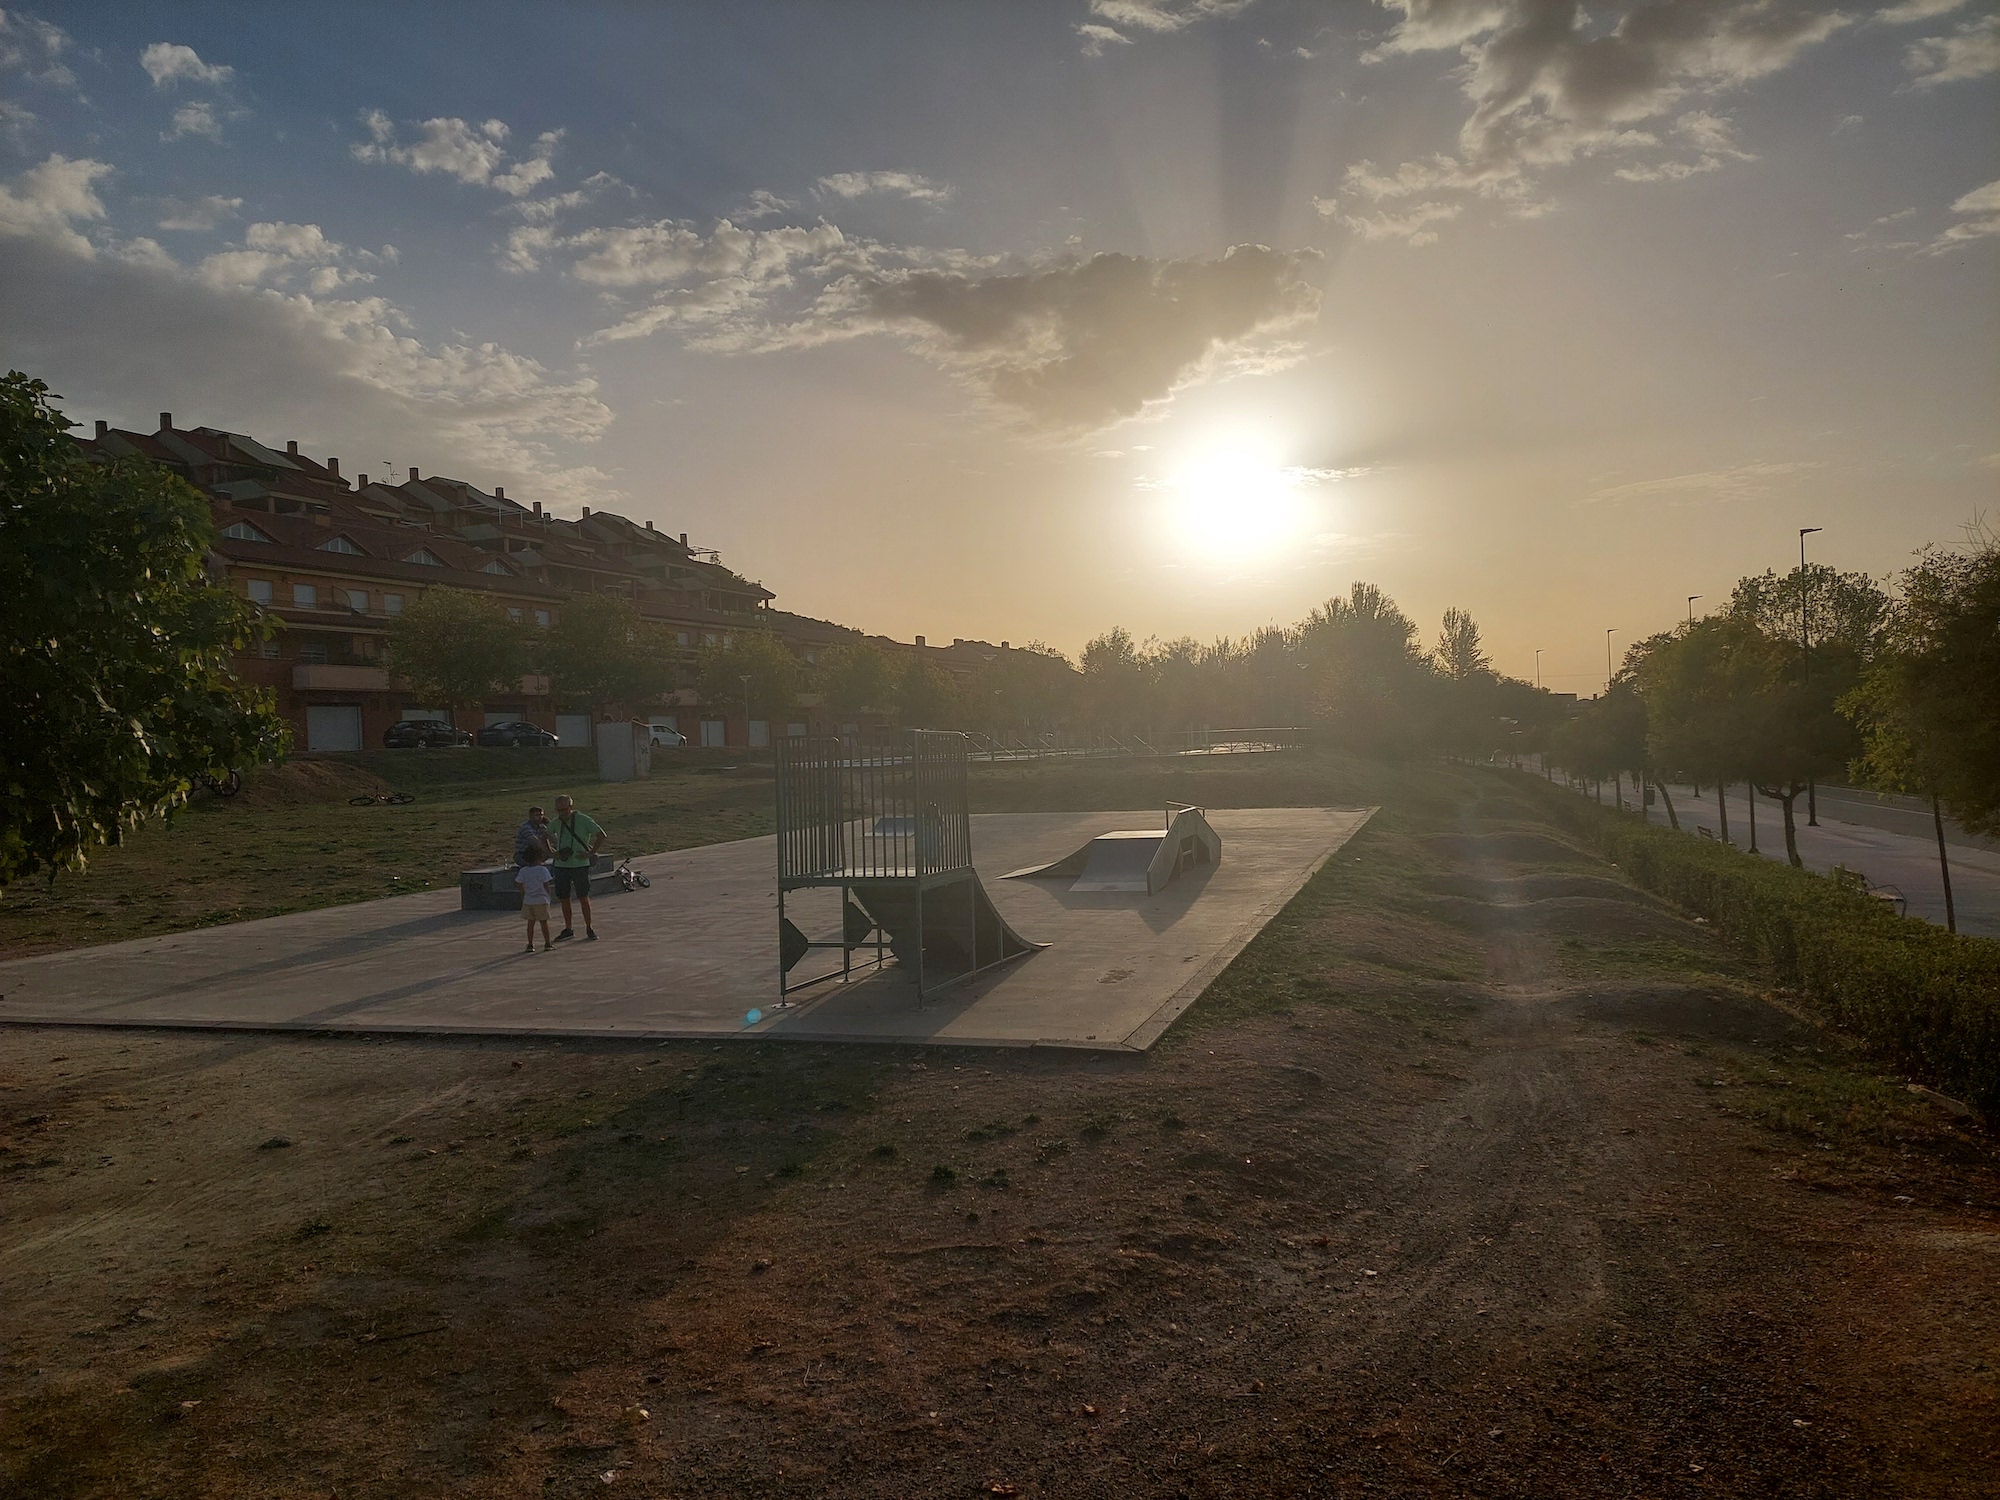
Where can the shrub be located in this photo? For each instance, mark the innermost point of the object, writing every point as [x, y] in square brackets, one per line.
[1926, 999]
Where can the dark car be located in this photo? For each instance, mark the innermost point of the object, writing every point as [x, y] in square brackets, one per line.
[423, 734]
[519, 734]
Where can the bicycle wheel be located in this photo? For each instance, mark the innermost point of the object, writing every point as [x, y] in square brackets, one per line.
[645, 882]
[368, 801]
[230, 785]
[397, 799]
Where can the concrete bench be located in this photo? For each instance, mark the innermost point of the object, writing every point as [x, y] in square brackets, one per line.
[493, 888]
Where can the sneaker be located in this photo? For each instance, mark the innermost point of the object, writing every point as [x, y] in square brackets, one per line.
[547, 946]
[531, 946]
[590, 934]
[565, 934]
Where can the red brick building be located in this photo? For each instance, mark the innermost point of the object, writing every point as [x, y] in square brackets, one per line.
[334, 560]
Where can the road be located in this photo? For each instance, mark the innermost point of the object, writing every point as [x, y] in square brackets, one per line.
[1888, 839]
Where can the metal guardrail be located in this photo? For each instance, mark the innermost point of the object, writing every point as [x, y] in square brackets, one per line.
[1056, 745]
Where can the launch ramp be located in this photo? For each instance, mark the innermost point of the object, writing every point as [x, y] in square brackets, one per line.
[886, 824]
[1137, 860]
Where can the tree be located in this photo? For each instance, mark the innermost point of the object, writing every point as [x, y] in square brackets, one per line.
[1371, 682]
[117, 645]
[601, 654]
[855, 677]
[774, 673]
[1458, 655]
[926, 698]
[1113, 690]
[457, 648]
[1817, 605]
[1928, 705]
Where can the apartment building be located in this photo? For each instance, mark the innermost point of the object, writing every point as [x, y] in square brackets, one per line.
[334, 560]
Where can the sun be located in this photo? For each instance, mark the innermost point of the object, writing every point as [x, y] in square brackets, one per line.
[1236, 503]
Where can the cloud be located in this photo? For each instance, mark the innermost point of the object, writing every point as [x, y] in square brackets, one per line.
[1846, 123]
[1163, 17]
[168, 63]
[1097, 38]
[1917, 10]
[1972, 51]
[764, 204]
[346, 373]
[869, 184]
[34, 48]
[1743, 482]
[197, 213]
[1412, 226]
[472, 154]
[1710, 136]
[1982, 206]
[44, 203]
[1548, 85]
[194, 119]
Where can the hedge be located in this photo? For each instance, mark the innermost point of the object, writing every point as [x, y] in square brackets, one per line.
[1924, 998]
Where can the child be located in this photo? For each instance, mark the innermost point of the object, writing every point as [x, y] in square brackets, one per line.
[533, 878]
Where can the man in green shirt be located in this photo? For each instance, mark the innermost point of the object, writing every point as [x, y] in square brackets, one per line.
[576, 837]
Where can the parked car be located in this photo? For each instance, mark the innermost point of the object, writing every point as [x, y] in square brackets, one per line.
[519, 734]
[423, 734]
[665, 736]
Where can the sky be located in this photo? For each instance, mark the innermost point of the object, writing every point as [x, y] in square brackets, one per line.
[1024, 320]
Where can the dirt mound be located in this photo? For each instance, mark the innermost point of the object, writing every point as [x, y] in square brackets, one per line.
[1516, 848]
[1702, 1015]
[291, 782]
[1599, 917]
[1519, 889]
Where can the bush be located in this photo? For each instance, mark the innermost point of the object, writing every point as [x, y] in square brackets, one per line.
[1924, 998]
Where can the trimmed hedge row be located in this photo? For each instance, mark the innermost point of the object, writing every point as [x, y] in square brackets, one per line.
[1924, 998]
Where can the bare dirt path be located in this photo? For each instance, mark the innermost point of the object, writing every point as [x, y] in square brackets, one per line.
[1479, 1174]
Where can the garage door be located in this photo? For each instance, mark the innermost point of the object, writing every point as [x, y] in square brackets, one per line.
[333, 727]
[573, 730]
[713, 731]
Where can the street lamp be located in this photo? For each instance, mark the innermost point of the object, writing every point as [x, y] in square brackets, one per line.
[1538, 669]
[1805, 658]
[1691, 599]
[1607, 659]
[746, 711]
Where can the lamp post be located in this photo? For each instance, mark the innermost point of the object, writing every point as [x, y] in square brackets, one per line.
[1805, 658]
[1607, 660]
[1691, 599]
[746, 711]
[1538, 669]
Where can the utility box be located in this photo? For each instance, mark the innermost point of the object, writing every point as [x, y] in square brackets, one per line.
[624, 750]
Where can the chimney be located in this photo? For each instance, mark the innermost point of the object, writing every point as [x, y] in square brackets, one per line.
[920, 640]
[586, 513]
[499, 492]
[361, 480]
[166, 421]
[292, 448]
[333, 467]
[538, 507]
[1006, 645]
[413, 473]
[102, 427]
[684, 538]
[649, 525]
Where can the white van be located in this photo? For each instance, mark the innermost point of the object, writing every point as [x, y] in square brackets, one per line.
[664, 735]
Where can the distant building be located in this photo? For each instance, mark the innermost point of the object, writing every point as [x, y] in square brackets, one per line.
[335, 560]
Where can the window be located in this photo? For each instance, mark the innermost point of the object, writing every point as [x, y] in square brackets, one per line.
[425, 557]
[267, 648]
[341, 544]
[497, 566]
[542, 618]
[243, 531]
[514, 615]
[259, 590]
[392, 604]
[812, 658]
[313, 653]
[708, 638]
[728, 640]
[305, 596]
[357, 600]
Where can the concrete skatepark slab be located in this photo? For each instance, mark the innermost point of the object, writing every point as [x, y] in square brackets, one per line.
[694, 954]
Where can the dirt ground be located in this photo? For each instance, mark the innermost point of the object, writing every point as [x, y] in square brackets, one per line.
[1479, 1173]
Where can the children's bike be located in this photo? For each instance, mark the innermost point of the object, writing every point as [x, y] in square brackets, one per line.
[380, 799]
[631, 879]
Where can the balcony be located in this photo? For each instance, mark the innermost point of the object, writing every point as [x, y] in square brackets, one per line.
[308, 677]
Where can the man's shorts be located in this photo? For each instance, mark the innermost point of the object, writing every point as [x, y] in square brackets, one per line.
[572, 880]
[535, 911]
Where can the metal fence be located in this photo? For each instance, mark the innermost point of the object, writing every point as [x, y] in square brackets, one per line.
[1061, 745]
[893, 809]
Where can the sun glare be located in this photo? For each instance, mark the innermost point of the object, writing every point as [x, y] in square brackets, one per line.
[1236, 503]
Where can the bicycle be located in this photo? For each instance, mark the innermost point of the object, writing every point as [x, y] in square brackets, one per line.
[380, 799]
[226, 785]
[631, 879]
